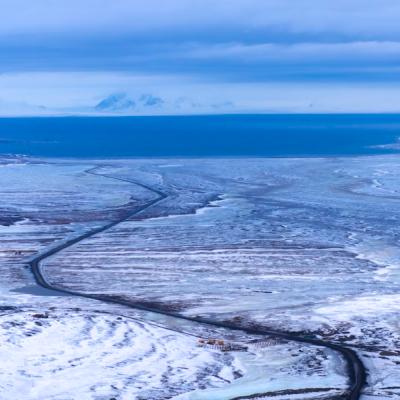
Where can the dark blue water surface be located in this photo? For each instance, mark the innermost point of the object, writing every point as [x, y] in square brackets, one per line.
[205, 136]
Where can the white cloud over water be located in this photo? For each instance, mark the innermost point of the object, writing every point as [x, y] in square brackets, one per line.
[71, 93]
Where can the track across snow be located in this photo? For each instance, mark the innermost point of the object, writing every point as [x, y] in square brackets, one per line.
[355, 368]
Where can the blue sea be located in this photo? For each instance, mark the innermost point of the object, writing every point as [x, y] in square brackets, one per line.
[201, 136]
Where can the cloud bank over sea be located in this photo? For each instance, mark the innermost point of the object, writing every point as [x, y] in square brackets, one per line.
[199, 56]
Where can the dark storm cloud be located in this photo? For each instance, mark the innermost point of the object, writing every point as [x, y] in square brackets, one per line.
[243, 40]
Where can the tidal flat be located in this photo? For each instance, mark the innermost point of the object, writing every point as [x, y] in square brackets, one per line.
[308, 246]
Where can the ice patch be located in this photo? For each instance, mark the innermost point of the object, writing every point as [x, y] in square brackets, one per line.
[385, 256]
[362, 307]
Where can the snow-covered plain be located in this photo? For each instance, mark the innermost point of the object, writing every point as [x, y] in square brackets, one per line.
[308, 245]
[64, 347]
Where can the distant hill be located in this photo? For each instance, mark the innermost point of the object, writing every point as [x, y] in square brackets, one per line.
[119, 102]
[122, 103]
[148, 100]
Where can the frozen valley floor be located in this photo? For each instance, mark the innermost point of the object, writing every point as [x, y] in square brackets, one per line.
[182, 242]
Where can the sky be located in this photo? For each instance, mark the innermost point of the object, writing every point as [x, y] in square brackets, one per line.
[199, 56]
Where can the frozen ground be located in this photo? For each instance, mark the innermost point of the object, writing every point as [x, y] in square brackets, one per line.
[307, 245]
[82, 355]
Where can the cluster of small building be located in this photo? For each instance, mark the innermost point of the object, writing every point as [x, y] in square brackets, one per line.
[220, 344]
